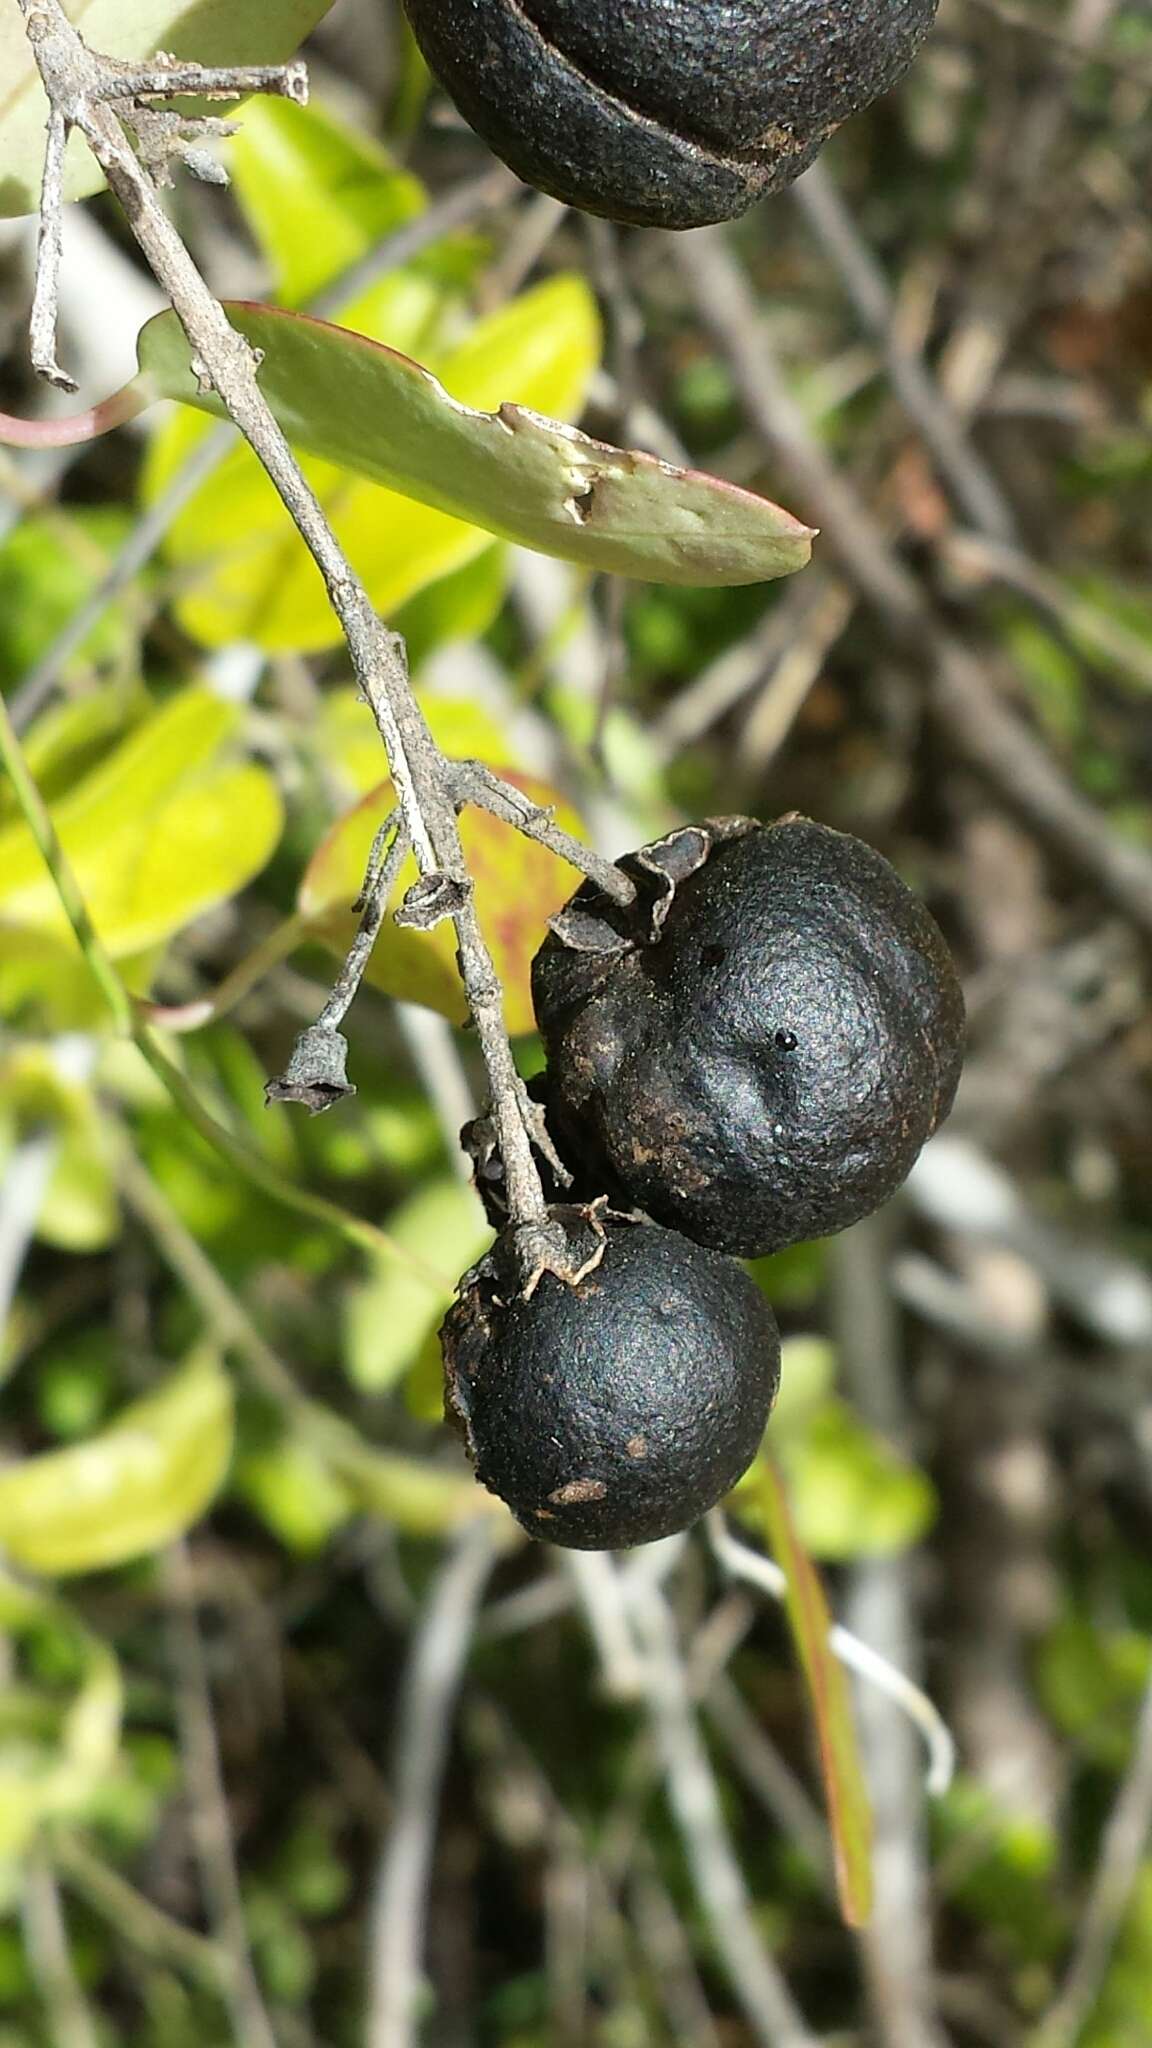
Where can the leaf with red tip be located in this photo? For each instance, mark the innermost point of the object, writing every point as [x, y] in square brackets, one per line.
[527, 478]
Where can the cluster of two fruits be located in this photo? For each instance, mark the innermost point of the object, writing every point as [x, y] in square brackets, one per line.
[750, 1054]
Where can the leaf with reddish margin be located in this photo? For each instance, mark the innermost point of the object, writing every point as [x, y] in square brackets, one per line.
[381, 415]
[849, 1808]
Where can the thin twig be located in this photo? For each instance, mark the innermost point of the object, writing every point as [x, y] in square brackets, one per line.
[141, 544]
[45, 294]
[208, 1807]
[454, 210]
[251, 1164]
[960, 693]
[860, 1657]
[70, 2023]
[765, 1999]
[432, 1680]
[457, 208]
[163, 76]
[74, 79]
[475, 783]
[136, 1918]
[975, 487]
[896, 1946]
[1122, 1852]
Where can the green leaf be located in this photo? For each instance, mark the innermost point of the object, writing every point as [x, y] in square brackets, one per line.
[295, 1493]
[316, 194]
[412, 1494]
[849, 1810]
[136, 1485]
[79, 1211]
[244, 571]
[388, 1319]
[1091, 1679]
[346, 738]
[518, 887]
[375, 412]
[853, 1495]
[459, 606]
[252, 32]
[59, 1764]
[160, 830]
[71, 739]
[49, 563]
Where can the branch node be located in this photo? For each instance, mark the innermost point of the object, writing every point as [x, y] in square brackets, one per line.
[431, 899]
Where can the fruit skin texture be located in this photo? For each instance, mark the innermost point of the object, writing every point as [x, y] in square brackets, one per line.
[621, 1409]
[766, 1068]
[666, 113]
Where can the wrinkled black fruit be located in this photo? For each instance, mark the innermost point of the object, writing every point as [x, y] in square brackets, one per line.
[765, 1064]
[668, 113]
[620, 1409]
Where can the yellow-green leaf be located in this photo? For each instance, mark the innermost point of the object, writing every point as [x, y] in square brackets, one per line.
[164, 827]
[388, 1318]
[127, 1490]
[316, 194]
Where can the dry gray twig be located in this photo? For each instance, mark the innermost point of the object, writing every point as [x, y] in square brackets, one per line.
[765, 1999]
[1121, 1854]
[436, 1662]
[208, 1808]
[81, 88]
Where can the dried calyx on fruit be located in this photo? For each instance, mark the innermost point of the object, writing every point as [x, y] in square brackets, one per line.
[668, 113]
[756, 1050]
[618, 1408]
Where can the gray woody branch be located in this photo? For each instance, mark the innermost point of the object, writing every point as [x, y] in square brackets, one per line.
[95, 95]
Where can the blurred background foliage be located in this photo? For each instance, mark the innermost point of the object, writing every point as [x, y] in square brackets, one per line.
[227, 1493]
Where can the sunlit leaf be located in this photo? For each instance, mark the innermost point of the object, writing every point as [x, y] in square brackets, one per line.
[518, 887]
[372, 411]
[161, 829]
[245, 574]
[49, 563]
[412, 1494]
[852, 1493]
[849, 1811]
[250, 32]
[129, 1489]
[388, 1318]
[316, 194]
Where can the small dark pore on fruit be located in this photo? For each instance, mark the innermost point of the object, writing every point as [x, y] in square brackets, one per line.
[787, 1041]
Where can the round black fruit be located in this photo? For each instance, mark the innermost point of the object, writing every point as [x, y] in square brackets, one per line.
[668, 113]
[621, 1408]
[757, 1055]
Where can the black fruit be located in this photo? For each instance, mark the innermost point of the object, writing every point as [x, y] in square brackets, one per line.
[622, 1408]
[760, 1056]
[669, 113]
